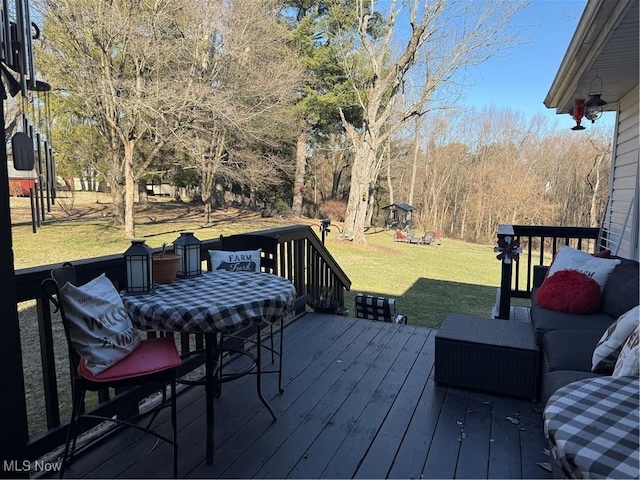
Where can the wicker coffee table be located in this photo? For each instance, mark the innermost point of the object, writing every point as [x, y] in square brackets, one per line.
[497, 356]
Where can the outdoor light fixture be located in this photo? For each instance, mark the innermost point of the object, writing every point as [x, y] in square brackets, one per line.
[593, 105]
[139, 268]
[578, 113]
[188, 247]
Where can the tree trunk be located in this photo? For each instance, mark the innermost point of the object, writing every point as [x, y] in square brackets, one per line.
[118, 188]
[301, 164]
[130, 190]
[372, 205]
[416, 151]
[593, 208]
[359, 194]
[389, 182]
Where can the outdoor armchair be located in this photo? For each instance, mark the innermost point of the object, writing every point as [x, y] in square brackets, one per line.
[378, 308]
[153, 360]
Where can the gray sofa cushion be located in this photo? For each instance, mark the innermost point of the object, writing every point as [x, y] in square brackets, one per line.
[545, 320]
[558, 379]
[570, 349]
[621, 291]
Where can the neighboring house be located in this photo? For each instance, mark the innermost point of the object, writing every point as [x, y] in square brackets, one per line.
[606, 45]
[20, 181]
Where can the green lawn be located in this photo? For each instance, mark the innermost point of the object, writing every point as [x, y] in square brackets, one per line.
[427, 281]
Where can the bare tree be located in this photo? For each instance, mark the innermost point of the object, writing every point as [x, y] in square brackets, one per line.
[439, 39]
[115, 64]
[239, 122]
[193, 73]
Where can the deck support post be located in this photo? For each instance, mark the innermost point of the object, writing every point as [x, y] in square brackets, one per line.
[13, 409]
[509, 250]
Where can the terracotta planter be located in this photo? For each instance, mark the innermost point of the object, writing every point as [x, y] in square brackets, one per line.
[165, 267]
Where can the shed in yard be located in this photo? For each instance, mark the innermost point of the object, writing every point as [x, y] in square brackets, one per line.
[398, 216]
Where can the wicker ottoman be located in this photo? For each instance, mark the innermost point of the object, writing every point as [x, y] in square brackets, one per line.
[497, 356]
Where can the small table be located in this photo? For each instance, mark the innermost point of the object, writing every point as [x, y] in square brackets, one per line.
[487, 354]
[592, 427]
[213, 303]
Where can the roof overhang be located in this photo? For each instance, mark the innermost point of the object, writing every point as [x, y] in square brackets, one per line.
[605, 43]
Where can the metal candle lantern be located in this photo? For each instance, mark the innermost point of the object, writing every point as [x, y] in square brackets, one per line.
[188, 247]
[593, 105]
[139, 267]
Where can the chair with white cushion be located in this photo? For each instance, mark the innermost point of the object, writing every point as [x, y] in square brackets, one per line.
[378, 308]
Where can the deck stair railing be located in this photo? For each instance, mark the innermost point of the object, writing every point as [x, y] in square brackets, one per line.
[539, 245]
[302, 258]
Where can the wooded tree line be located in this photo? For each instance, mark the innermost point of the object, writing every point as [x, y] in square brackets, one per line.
[300, 101]
[472, 176]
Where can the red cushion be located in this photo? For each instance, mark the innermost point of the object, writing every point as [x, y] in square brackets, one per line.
[152, 355]
[569, 291]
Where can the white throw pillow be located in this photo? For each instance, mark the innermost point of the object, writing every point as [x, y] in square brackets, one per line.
[628, 363]
[597, 268]
[99, 326]
[240, 261]
[608, 348]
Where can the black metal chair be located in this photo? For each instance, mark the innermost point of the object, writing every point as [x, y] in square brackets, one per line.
[153, 361]
[378, 308]
[268, 264]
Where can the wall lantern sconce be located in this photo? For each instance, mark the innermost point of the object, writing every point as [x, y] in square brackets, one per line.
[593, 105]
[139, 268]
[578, 113]
[188, 247]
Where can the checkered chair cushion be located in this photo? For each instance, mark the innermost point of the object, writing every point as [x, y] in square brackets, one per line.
[378, 308]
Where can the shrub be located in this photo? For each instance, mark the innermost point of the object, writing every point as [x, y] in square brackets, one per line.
[283, 207]
[334, 209]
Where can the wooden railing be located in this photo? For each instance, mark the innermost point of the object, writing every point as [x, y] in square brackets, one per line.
[539, 245]
[302, 258]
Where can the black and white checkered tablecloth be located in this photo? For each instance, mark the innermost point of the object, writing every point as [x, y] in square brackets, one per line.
[592, 426]
[212, 302]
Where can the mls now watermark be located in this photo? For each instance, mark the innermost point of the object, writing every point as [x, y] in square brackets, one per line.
[36, 466]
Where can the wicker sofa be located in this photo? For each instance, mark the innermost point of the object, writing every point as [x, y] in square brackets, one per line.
[568, 340]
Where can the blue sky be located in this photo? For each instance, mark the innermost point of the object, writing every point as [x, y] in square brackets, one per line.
[520, 78]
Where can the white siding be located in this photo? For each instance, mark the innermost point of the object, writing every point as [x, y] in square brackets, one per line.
[621, 220]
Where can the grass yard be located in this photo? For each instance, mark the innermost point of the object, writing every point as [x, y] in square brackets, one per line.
[427, 282]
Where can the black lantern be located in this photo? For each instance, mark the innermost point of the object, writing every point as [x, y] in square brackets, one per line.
[188, 247]
[139, 268]
[593, 105]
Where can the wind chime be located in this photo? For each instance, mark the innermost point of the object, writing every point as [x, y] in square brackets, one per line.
[30, 148]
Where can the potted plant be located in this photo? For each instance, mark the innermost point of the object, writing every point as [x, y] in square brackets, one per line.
[325, 304]
[165, 266]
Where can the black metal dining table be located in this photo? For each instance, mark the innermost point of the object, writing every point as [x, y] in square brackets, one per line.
[214, 303]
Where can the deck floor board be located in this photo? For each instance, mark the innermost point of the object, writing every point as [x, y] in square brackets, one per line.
[359, 401]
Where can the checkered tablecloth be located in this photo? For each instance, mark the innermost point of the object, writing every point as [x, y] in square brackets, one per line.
[592, 426]
[212, 302]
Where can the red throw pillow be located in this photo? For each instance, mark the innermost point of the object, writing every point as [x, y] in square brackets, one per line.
[569, 291]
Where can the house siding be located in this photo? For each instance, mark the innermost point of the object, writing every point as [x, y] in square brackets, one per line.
[621, 220]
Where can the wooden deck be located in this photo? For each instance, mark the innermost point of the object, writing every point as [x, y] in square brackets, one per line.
[359, 401]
